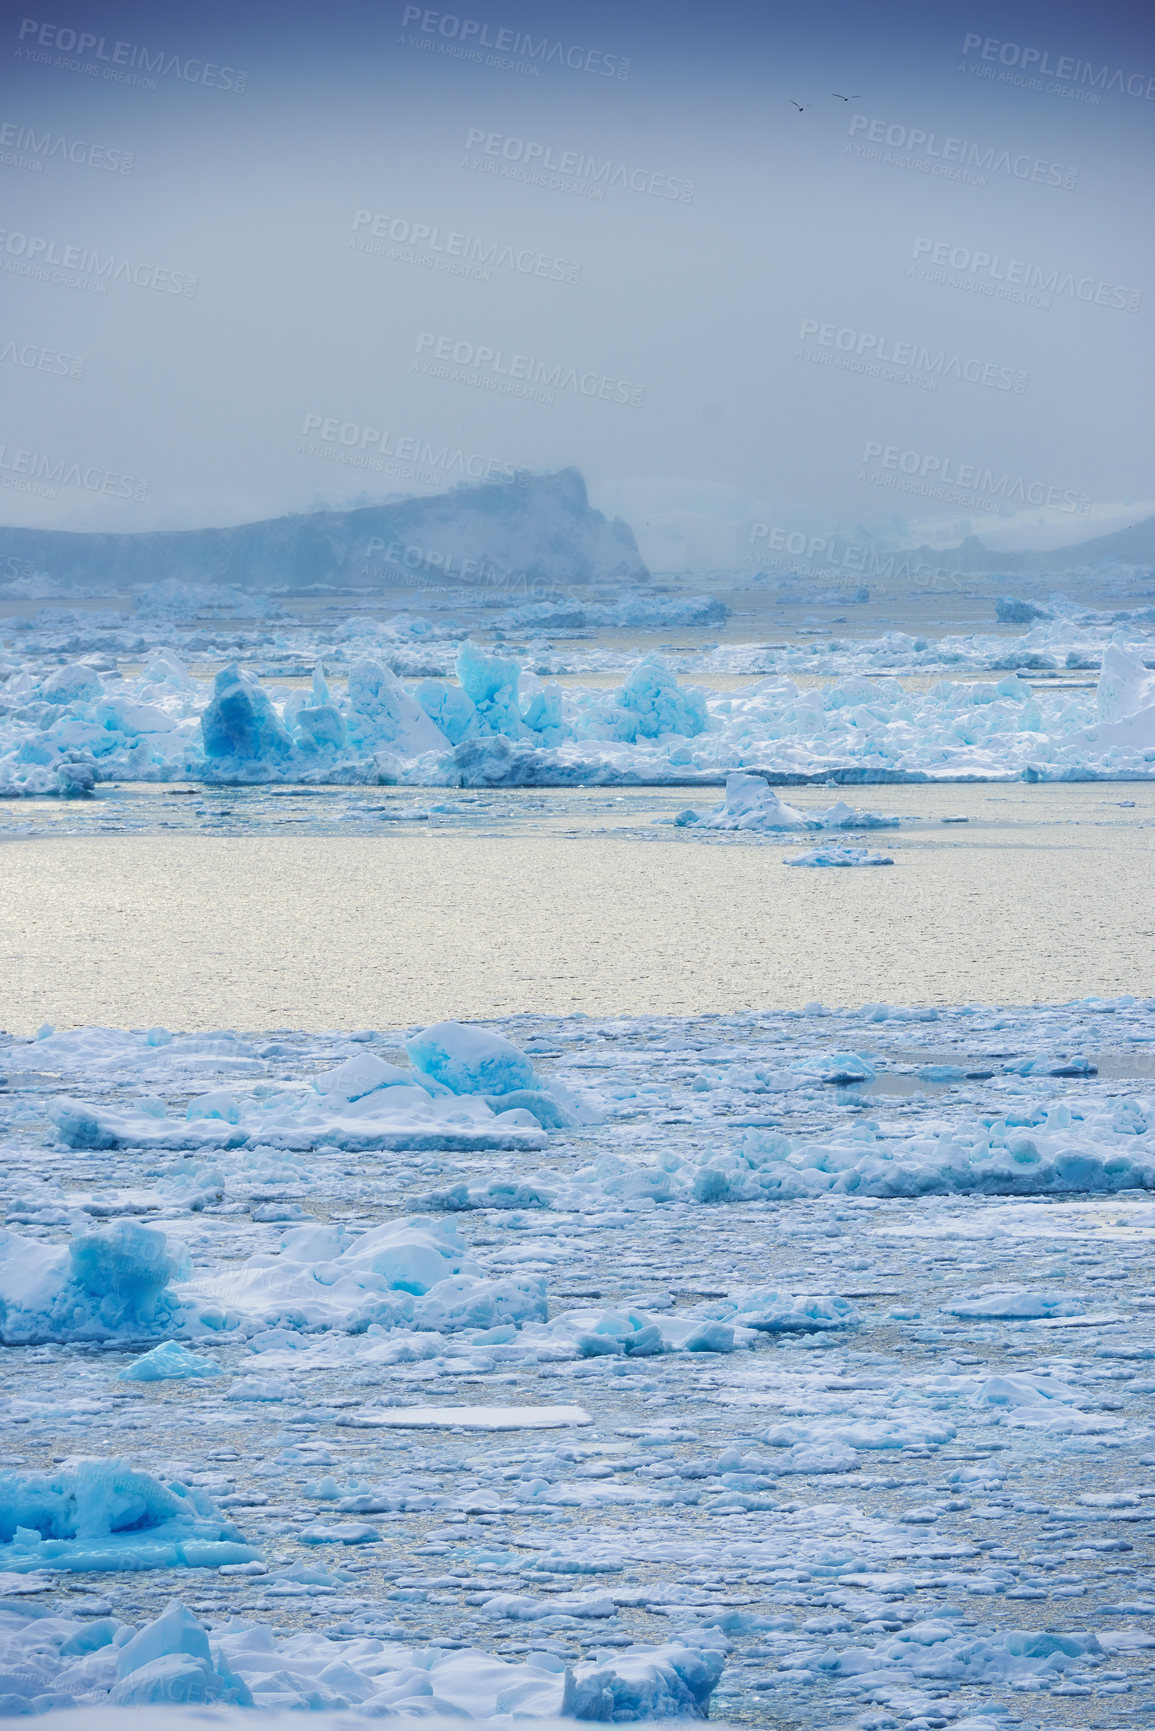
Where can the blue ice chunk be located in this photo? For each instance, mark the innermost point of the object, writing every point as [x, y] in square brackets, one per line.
[124, 1269]
[658, 704]
[543, 712]
[832, 855]
[840, 1068]
[215, 1104]
[382, 712]
[170, 1660]
[315, 722]
[107, 1515]
[471, 1060]
[644, 1683]
[92, 1637]
[320, 726]
[240, 721]
[75, 683]
[486, 678]
[112, 1281]
[168, 1362]
[449, 707]
[490, 683]
[176, 1630]
[361, 1075]
[76, 779]
[550, 1112]
[174, 1679]
[711, 1337]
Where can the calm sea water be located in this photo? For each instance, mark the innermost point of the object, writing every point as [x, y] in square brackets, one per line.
[345, 908]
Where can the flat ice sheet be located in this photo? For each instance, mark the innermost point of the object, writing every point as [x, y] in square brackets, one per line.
[472, 1418]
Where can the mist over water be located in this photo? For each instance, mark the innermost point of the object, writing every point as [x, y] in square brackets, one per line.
[262, 261]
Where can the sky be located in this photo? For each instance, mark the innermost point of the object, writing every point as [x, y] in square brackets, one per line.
[258, 260]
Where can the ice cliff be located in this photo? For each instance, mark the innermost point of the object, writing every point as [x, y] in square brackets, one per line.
[522, 535]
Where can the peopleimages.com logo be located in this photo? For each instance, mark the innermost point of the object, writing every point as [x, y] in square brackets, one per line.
[1015, 279]
[1036, 63]
[492, 369]
[797, 554]
[936, 476]
[957, 158]
[363, 446]
[527, 159]
[35, 358]
[449, 250]
[43, 147]
[472, 35]
[934, 364]
[120, 62]
[38, 256]
[33, 472]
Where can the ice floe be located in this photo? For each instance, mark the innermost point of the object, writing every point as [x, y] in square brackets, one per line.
[751, 804]
[839, 856]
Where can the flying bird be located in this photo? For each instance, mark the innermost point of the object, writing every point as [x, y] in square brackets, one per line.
[796, 105]
[842, 98]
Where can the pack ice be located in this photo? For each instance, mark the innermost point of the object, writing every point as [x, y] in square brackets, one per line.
[495, 724]
[804, 1374]
[57, 1662]
[468, 1089]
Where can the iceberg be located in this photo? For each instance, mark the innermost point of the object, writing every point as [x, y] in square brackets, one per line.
[107, 1515]
[476, 717]
[471, 1060]
[399, 1116]
[655, 704]
[528, 532]
[381, 712]
[239, 725]
[752, 804]
[110, 1283]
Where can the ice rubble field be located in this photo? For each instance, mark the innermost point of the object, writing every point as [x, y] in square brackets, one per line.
[795, 1365]
[83, 698]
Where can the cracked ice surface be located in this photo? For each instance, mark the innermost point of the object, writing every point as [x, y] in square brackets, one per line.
[796, 1363]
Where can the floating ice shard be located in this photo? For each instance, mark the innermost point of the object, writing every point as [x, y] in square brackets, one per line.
[168, 1362]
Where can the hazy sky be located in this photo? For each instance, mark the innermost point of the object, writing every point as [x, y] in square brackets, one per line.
[324, 255]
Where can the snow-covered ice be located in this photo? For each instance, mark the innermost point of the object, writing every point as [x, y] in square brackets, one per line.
[752, 804]
[839, 856]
